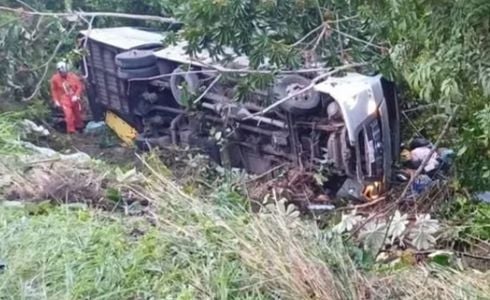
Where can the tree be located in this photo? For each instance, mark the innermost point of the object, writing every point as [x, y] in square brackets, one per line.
[442, 49]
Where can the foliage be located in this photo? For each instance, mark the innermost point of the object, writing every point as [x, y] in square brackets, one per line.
[442, 50]
[84, 255]
[376, 232]
[348, 222]
[27, 46]
[474, 161]
[192, 248]
[153, 7]
[423, 232]
[8, 135]
[471, 218]
[9, 127]
[282, 34]
[195, 250]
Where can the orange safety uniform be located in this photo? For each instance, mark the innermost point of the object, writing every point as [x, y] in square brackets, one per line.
[66, 93]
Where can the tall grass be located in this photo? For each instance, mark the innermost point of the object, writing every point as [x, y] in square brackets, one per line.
[197, 250]
[9, 126]
[296, 262]
[193, 248]
[9, 134]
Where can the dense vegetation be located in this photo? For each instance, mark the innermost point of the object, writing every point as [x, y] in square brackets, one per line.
[439, 52]
[210, 246]
[187, 247]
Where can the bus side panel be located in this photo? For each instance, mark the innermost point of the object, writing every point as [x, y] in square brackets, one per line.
[105, 90]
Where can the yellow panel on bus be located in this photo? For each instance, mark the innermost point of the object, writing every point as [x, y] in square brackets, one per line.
[123, 130]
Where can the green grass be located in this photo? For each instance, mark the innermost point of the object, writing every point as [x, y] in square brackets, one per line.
[84, 255]
[8, 134]
[197, 248]
[9, 125]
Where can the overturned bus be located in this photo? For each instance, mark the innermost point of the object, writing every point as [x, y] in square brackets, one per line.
[348, 124]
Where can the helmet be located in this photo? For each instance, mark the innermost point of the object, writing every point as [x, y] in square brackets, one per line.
[62, 67]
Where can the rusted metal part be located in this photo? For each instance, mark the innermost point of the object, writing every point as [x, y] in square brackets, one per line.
[174, 128]
[294, 141]
[346, 153]
[331, 127]
[268, 149]
[242, 126]
[236, 116]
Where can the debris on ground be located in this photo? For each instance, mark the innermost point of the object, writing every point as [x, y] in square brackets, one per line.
[483, 197]
[418, 142]
[420, 149]
[420, 184]
[434, 173]
[29, 127]
[64, 183]
[44, 153]
[68, 178]
[3, 265]
[320, 208]
[58, 182]
[447, 156]
[95, 128]
[351, 190]
[131, 176]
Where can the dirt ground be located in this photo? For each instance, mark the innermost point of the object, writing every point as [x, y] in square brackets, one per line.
[114, 153]
[104, 146]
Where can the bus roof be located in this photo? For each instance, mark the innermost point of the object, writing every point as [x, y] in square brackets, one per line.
[124, 38]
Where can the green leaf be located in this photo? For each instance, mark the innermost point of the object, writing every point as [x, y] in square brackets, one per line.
[398, 226]
[348, 222]
[373, 235]
[462, 151]
[442, 258]
[422, 234]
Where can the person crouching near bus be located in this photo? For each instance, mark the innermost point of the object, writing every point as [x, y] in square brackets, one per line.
[66, 91]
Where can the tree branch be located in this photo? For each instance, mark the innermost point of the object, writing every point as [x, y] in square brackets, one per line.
[46, 68]
[307, 35]
[320, 36]
[341, 42]
[314, 81]
[218, 69]
[359, 40]
[93, 14]
[26, 5]
[85, 43]
[215, 81]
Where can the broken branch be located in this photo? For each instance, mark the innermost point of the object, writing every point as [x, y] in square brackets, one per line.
[308, 34]
[310, 86]
[215, 81]
[368, 43]
[93, 14]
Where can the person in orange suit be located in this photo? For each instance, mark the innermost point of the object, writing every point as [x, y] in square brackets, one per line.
[66, 90]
